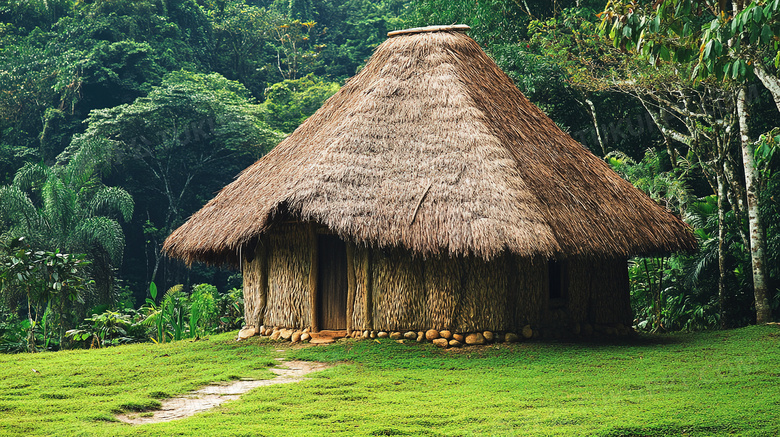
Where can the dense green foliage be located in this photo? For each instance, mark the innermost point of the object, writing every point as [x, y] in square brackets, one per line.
[119, 119]
[73, 71]
[49, 282]
[733, 42]
[704, 384]
[174, 148]
[68, 208]
[180, 315]
[288, 103]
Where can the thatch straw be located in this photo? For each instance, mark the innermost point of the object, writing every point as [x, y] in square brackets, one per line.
[398, 290]
[360, 307]
[527, 297]
[443, 284]
[255, 273]
[454, 27]
[610, 300]
[289, 302]
[432, 148]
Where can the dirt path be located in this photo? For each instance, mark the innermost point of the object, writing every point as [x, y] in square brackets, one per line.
[213, 395]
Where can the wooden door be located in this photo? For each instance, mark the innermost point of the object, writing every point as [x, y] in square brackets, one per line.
[331, 282]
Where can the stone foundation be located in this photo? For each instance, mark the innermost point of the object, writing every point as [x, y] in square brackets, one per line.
[447, 339]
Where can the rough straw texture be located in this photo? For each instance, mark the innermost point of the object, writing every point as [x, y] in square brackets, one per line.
[461, 294]
[399, 293]
[432, 148]
[253, 283]
[530, 298]
[289, 302]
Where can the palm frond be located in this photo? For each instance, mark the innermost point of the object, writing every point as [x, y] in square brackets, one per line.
[103, 233]
[112, 200]
[707, 256]
[172, 292]
[693, 218]
[617, 154]
[87, 162]
[151, 318]
[59, 205]
[31, 175]
[18, 214]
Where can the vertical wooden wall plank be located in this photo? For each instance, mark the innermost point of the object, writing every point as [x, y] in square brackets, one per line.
[368, 310]
[351, 285]
[313, 276]
[262, 301]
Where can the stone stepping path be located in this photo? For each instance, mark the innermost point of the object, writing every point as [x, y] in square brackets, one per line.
[211, 396]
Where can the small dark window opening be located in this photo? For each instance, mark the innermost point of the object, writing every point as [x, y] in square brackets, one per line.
[557, 280]
[250, 250]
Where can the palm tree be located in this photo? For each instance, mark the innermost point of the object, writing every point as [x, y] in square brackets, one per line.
[66, 208]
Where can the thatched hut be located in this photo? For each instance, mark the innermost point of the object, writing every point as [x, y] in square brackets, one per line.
[430, 193]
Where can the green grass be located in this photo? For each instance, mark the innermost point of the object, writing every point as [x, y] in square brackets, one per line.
[716, 383]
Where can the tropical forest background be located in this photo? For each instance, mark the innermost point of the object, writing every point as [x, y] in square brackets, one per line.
[119, 119]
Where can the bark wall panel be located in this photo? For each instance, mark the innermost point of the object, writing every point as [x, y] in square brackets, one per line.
[460, 294]
[610, 296]
[252, 274]
[581, 275]
[358, 313]
[482, 301]
[531, 290]
[398, 291]
[289, 303]
[443, 289]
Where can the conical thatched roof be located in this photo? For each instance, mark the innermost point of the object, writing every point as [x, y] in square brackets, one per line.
[431, 147]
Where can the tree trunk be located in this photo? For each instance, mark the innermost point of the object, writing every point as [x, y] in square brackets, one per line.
[736, 196]
[33, 322]
[157, 259]
[755, 225]
[772, 83]
[592, 108]
[61, 331]
[721, 249]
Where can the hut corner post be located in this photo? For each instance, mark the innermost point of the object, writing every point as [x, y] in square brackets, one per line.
[255, 272]
[262, 301]
[314, 261]
[367, 295]
[351, 286]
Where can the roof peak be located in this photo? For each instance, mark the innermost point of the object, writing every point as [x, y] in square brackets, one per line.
[449, 28]
[431, 148]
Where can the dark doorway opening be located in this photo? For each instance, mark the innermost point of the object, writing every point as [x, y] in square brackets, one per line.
[331, 282]
[558, 280]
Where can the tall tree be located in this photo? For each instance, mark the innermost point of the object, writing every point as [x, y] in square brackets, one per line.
[297, 54]
[733, 41]
[351, 29]
[242, 36]
[178, 145]
[302, 10]
[290, 102]
[696, 119]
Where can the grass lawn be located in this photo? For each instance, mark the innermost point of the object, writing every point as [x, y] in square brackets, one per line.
[715, 383]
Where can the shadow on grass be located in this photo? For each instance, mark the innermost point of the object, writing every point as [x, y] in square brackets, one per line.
[638, 340]
[389, 354]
